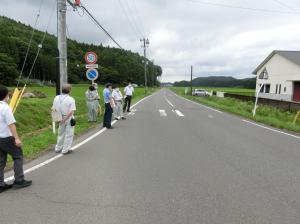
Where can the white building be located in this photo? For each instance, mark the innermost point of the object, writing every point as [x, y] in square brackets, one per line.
[279, 76]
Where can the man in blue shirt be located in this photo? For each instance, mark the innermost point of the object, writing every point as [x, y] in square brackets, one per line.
[109, 104]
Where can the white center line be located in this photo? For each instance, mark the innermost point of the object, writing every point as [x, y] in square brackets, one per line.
[168, 101]
[211, 116]
[162, 113]
[179, 113]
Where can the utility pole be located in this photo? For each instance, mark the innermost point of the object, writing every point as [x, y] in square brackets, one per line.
[191, 80]
[62, 42]
[145, 45]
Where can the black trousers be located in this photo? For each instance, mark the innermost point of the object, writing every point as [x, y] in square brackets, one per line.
[127, 103]
[107, 115]
[8, 146]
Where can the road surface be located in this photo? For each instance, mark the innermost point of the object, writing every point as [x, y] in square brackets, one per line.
[172, 161]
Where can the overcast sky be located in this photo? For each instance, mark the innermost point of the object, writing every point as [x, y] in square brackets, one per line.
[216, 40]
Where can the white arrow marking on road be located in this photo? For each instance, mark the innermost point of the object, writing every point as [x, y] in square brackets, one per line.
[211, 116]
[179, 113]
[162, 113]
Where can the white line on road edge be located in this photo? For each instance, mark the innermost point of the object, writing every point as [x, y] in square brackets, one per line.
[271, 129]
[11, 178]
[199, 104]
[162, 113]
[179, 113]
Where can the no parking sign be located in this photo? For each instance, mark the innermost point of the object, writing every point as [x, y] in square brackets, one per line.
[92, 74]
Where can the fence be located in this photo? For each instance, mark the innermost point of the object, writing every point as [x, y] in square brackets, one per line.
[282, 105]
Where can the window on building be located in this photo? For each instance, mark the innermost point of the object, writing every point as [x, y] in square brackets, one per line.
[264, 74]
[267, 88]
[261, 86]
[276, 89]
[279, 91]
[284, 89]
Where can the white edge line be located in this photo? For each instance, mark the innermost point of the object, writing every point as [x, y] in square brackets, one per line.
[199, 104]
[11, 178]
[179, 113]
[271, 129]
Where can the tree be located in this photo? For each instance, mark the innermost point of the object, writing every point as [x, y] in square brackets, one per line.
[8, 70]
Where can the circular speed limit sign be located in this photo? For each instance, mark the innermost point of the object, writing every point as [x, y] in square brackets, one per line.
[90, 58]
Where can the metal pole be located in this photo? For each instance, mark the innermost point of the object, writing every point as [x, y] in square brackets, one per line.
[62, 41]
[256, 100]
[191, 80]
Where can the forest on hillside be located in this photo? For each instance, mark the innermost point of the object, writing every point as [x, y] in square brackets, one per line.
[116, 65]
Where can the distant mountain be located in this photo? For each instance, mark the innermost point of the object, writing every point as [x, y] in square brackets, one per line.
[220, 81]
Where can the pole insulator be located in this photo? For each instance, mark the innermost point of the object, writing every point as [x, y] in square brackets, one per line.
[77, 2]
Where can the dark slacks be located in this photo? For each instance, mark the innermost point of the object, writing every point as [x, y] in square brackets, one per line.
[127, 103]
[8, 146]
[107, 115]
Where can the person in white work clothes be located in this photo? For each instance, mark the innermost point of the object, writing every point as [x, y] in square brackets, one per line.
[65, 104]
[10, 144]
[129, 90]
[118, 98]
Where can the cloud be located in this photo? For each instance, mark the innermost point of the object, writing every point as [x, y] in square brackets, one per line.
[216, 40]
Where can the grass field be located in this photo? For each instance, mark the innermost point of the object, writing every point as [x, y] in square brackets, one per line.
[265, 114]
[239, 91]
[34, 120]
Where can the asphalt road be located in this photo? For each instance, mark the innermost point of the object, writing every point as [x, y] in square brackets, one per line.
[172, 161]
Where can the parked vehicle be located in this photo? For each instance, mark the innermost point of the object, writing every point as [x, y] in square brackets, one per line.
[200, 92]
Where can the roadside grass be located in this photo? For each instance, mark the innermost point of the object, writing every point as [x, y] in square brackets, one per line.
[34, 119]
[265, 114]
[239, 91]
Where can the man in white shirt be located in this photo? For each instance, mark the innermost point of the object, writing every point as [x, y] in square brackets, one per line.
[118, 98]
[65, 104]
[10, 143]
[129, 90]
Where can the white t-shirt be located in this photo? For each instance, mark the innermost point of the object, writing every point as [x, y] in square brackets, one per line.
[129, 90]
[6, 118]
[117, 95]
[64, 103]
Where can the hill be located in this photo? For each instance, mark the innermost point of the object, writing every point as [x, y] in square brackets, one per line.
[220, 81]
[116, 65]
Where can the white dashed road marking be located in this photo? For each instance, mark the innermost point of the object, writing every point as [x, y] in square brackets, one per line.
[162, 113]
[179, 113]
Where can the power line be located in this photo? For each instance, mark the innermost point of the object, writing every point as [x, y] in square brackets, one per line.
[30, 41]
[133, 17]
[97, 23]
[139, 17]
[284, 5]
[132, 24]
[243, 8]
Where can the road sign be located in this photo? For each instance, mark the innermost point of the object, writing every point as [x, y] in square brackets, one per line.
[92, 66]
[92, 74]
[90, 58]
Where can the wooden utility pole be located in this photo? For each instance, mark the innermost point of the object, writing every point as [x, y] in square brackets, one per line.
[62, 42]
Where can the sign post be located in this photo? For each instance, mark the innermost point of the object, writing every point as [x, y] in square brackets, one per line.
[91, 59]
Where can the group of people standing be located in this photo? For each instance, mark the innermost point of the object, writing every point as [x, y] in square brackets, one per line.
[113, 100]
[64, 107]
